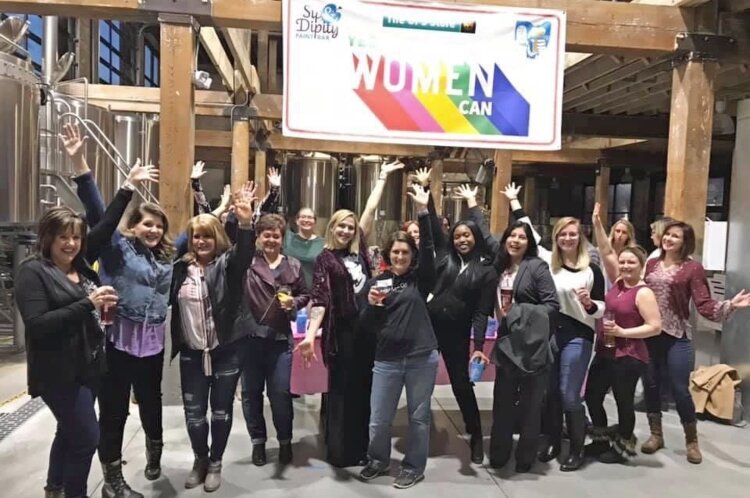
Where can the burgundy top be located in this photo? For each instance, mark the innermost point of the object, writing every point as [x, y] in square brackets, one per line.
[675, 287]
[621, 300]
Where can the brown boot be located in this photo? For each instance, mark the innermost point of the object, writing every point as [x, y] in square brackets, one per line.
[691, 443]
[656, 441]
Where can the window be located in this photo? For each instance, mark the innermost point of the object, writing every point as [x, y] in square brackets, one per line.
[619, 201]
[150, 66]
[33, 40]
[109, 52]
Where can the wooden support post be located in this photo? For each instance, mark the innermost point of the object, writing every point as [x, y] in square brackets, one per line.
[689, 153]
[436, 185]
[641, 193]
[177, 121]
[263, 60]
[240, 153]
[499, 212]
[273, 73]
[260, 173]
[601, 191]
[529, 196]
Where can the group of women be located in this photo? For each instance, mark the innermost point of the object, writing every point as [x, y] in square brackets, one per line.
[237, 277]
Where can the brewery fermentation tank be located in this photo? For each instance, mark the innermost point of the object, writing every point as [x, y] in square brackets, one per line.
[19, 147]
[136, 136]
[388, 214]
[311, 181]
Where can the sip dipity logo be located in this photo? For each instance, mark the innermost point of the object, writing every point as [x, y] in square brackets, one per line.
[331, 13]
[533, 36]
[318, 25]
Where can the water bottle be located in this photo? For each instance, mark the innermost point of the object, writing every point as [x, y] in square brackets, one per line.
[476, 369]
[302, 322]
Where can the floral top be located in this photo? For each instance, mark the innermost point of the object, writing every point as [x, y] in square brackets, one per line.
[674, 288]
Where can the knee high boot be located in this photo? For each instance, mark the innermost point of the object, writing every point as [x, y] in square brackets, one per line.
[114, 483]
[576, 424]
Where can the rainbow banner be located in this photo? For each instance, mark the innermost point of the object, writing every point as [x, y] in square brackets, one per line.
[423, 73]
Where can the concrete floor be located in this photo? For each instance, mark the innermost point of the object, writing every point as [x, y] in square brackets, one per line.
[725, 472]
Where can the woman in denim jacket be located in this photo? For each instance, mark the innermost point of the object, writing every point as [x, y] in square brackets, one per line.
[137, 262]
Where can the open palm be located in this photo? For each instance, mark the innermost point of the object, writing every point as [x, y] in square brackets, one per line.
[389, 168]
[72, 141]
[139, 173]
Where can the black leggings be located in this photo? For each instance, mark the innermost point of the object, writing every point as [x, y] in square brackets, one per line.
[124, 371]
[622, 376]
[453, 342]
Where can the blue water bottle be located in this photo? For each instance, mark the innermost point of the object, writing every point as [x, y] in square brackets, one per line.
[302, 321]
[476, 369]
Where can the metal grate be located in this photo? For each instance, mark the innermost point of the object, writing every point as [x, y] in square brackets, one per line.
[12, 421]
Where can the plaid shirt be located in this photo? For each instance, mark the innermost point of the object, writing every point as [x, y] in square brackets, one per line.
[197, 316]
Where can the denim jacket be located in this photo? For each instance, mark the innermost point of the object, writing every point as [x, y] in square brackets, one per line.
[141, 281]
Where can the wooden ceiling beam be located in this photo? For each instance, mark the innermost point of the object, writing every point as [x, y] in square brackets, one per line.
[615, 126]
[626, 70]
[210, 41]
[735, 5]
[238, 41]
[592, 26]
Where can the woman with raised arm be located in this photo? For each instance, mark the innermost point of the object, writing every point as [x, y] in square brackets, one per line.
[73, 144]
[341, 271]
[462, 300]
[406, 350]
[60, 298]
[137, 262]
[677, 279]
[205, 297]
[621, 235]
[621, 357]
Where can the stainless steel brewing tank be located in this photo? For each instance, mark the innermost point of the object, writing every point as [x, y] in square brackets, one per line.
[311, 181]
[136, 136]
[388, 213]
[19, 147]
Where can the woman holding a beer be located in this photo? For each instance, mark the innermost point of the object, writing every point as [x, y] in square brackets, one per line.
[632, 315]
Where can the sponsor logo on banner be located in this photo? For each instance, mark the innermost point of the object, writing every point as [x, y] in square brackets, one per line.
[318, 24]
[427, 73]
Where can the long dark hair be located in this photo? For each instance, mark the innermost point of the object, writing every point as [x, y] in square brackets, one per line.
[450, 265]
[502, 261]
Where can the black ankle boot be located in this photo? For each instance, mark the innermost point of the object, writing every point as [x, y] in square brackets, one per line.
[576, 422]
[549, 452]
[477, 448]
[114, 483]
[259, 454]
[285, 453]
[153, 458]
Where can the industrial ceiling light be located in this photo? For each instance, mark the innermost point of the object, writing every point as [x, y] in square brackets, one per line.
[201, 80]
[723, 122]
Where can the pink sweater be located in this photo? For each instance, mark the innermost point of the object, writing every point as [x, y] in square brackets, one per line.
[675, 287]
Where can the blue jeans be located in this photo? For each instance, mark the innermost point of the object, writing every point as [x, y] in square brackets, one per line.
[389, 378]
[76, 438]
[674, 357]
[566, 380]
[267, 363]
[198, 389]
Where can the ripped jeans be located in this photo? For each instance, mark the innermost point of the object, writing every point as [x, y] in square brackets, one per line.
[219, 388]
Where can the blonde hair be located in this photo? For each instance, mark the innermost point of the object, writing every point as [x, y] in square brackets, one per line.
[582, 259]
[209, 226]
[660, 226]
[337, 218]
[628, 228]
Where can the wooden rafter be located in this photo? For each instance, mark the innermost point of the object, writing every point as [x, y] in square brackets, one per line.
[209, 39]
[238, 41]
[592, 26]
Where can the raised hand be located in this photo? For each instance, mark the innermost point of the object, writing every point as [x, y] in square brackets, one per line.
[248, 191]
[389, 168]
[243, 208]
[198, 170]
[741, 300]
[226, 197]
[139, 174]
[419, 196]
[274, 178]
[422, 176]
[511, 191]
[72, 141]
[595, 214]
[466, 192]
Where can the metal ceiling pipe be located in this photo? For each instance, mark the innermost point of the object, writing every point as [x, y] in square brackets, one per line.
[49, 44]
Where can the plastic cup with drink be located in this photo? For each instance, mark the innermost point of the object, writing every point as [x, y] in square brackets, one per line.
[284, 295]
[609, 322]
